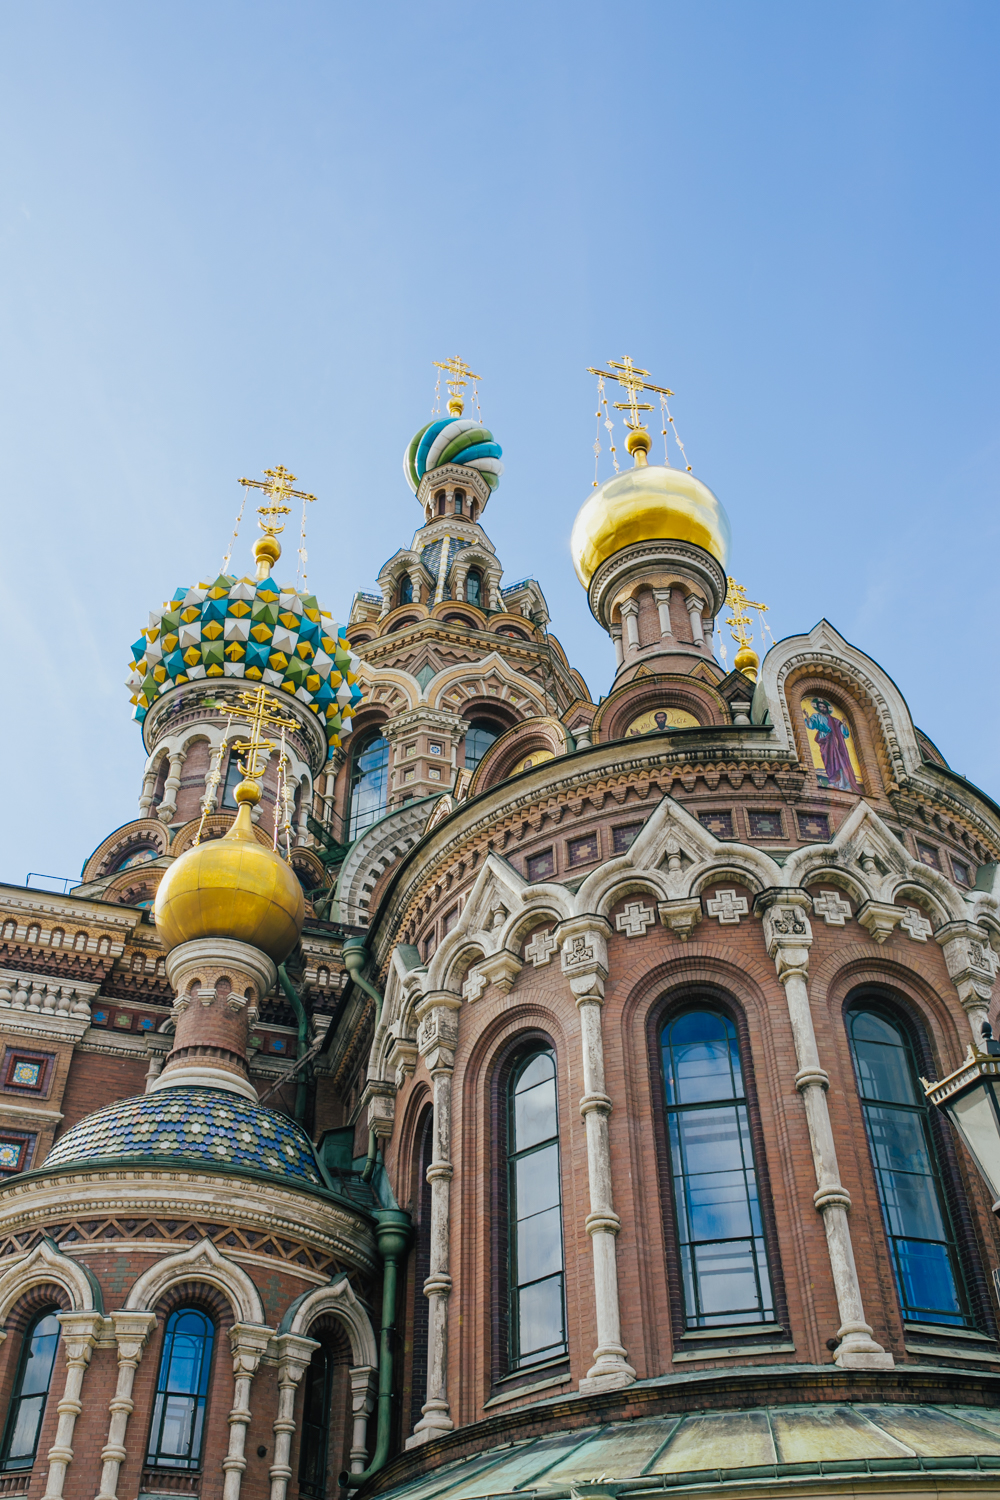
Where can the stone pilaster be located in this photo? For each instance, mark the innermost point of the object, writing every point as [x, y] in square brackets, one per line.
[972, 967]
[294, 1354]
[132, 1329]
[80, 1331]
[248, 1343]
[788, 935]
[585, 963]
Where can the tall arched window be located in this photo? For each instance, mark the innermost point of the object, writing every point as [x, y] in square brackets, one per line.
[440, 502]
[315, 1444]
[369, 782]
[535, 1243]
[31, 1390]
[724, 1266]
[907, 1171]
[474, 587]
[178, 1430]
[478, 739]
[459, 502]
[406, 590]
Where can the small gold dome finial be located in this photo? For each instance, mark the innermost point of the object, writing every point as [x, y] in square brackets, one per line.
[638, 444]
[456, 406]
[747, 661]
[266, 551]
[645, 504]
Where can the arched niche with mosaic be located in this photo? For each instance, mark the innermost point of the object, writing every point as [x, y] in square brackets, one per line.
[658, 720]
[832, 741]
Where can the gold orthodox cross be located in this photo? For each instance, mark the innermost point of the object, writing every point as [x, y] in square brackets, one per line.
[457, 376]
[277, 486]
[630, 378]
[737, 601]
[259, 709]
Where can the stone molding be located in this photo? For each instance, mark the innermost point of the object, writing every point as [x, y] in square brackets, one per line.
[673, 556]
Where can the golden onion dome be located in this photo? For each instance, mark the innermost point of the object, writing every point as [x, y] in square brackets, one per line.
[233, 887]
[645, 504]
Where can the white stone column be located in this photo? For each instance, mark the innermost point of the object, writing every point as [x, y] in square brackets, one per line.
[616, 641]
[148, 792]
[584, 943]
[362, 1404]
[168, 806]
[972, 967]
[630, 614]
[694, 608]
[437, 1037]
[132, 1329]
[79, 1335]
[294, 1354]
[248, 1342]
[662, 597]
[788, 935]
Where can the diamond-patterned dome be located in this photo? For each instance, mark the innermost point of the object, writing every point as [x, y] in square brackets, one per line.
[203, 1125]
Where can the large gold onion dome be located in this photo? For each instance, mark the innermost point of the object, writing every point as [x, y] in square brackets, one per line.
[233, 887]
[645, 504]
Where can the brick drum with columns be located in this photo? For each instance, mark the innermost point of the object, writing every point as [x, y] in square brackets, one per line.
[543, 1109]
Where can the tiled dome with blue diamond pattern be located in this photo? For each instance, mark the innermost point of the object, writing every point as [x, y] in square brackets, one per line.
[193, 1124]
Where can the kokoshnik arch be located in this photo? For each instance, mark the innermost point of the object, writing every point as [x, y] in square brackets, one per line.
[450, 1083]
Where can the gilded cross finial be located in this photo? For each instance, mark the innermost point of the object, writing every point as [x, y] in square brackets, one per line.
[277, 486]
[747, 661]
[259, 710]
[631, 378]
[457, 375]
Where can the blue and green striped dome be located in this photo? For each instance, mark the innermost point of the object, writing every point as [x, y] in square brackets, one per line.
[242, 627]
[453, 440]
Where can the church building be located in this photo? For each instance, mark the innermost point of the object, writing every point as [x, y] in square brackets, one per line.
[453, 1081]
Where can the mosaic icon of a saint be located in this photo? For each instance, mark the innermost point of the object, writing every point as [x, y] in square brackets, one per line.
[834, 757]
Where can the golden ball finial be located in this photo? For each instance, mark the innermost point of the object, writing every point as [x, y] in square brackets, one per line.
[233, 887]
[638, 443]
[266, 550]
[456, 406]
[747, 661]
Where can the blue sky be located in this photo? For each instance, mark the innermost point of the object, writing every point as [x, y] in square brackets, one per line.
[234, 235]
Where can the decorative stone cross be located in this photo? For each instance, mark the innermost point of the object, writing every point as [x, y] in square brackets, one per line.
[834, 910]
[541, 948]
[916, 924]
[634, 920]
[727, 906]
[474, 985]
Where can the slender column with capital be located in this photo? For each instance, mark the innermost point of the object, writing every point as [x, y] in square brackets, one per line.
[630, 614]
[662, 598]
[148, 792]
[437, 1037]
[585, 963]
[294, 1354]
[616, 641]
[248, 1344]
[79, 1335]
[168, 806]
[362, 1405]
[972, 966]
[788, 935]
[132, 1329]
[694, 609]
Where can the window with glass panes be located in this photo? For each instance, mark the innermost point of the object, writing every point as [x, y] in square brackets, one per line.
[907, 1171]
[478, 739]
[31, 1390]
[315, 1426]
[178, 1428]
[724, 1264]
[535, 1249]
[369, 784]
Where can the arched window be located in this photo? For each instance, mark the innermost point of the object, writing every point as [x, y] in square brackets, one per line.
[535, 1242]
[478, 739]
[907, 1171]
[474, 587]
[369, 783]
[459, 502]
[31, 1390]
[178, 1430]
[406, 590]
[439, 497]
[724, 1267]
[315, 1426]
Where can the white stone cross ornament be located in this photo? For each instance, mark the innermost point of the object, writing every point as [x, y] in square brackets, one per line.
[834, 910]
[727, 906]
[541, 948]
[634, 920]
[916, 924]
[474, 985]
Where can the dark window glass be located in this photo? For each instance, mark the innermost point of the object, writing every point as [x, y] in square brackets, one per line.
[315, 1426]
[719, 823]
[537, 1290]
[907, 1172]
[440, 502]
[369, 784]
[474, 587]
[459, 502]
[31, 1391]
[178, 1430]
[406, 590]
[233, 778]
[540, 866]
[814, 826]
[478, 739]
[724, 1264]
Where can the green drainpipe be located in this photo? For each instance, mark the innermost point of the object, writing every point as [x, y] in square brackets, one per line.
[355, 956]
[301, 1041]
[393, 1228]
